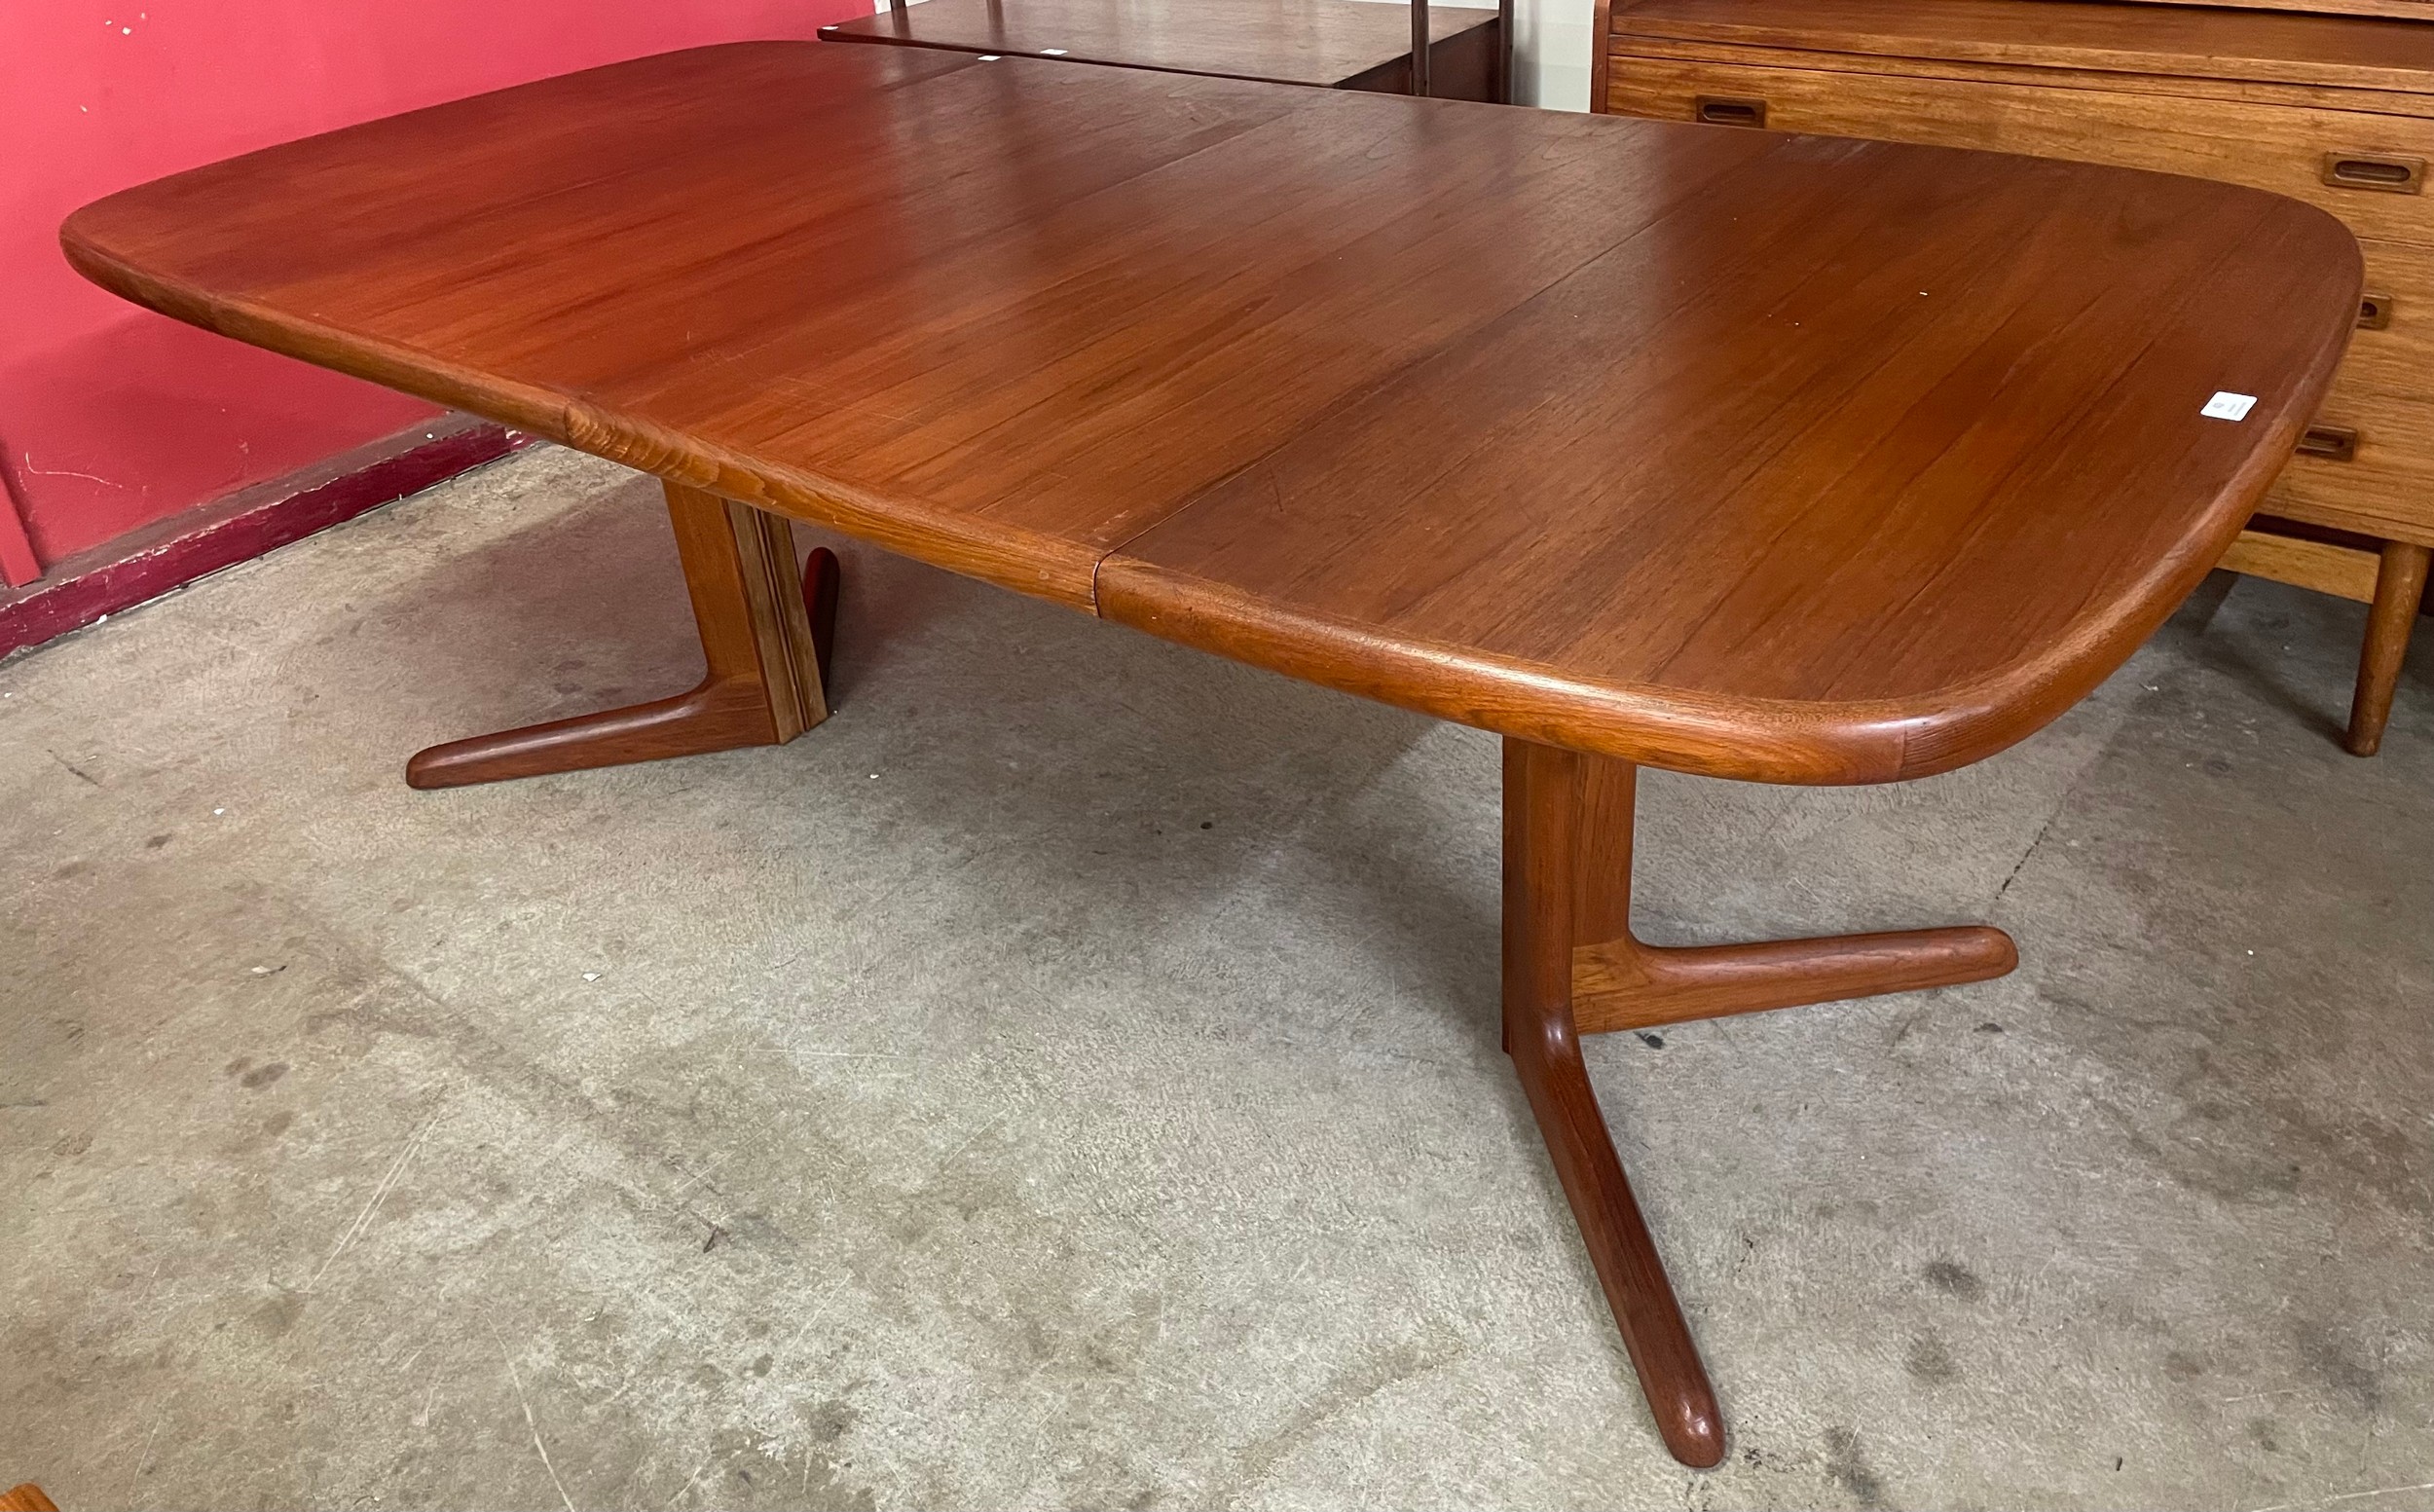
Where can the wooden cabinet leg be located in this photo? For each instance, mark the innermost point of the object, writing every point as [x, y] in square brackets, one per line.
[1572, 967]
[766, 641]
[2399, 589]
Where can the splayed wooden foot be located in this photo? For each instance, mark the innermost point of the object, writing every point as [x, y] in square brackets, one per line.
[766, 638]
[1571, 967]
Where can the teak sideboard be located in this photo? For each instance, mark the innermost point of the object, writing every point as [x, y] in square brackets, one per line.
[2336, 109]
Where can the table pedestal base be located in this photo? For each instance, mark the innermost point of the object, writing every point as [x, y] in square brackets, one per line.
[1572, 968]
[765, 640]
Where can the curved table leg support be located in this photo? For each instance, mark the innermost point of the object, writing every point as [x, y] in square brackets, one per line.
[766, 641]
[1624, 985]
[1546, 1053]
[1557, 836]
[1571, 967]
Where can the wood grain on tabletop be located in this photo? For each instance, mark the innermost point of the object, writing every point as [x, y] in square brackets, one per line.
[936, 302]
[1787, 487]
[1319, 41]
[1754, 455]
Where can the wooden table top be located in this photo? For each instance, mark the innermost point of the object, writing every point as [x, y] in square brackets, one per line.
[1755, 455]
[1320, 42]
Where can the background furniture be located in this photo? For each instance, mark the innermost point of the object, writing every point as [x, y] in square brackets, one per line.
[2337, 110]
[1341, 44]
[2414, 10]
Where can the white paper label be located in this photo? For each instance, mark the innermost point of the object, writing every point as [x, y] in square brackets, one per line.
[2225, 405]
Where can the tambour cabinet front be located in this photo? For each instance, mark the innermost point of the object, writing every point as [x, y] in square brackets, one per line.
[2334, 109]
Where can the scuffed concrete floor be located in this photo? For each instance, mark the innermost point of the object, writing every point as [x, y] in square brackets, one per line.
[1070, 1076]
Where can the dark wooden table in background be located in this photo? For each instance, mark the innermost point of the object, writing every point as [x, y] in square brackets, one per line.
[1755, 456]
[1341, 44]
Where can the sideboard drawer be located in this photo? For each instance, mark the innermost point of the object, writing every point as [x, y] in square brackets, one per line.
[2393, 354]
[2384, 485]
[2291, 150]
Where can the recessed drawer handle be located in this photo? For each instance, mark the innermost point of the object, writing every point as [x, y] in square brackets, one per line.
[2374, 170]
[1728, 110]
[2375, 312]
[2332, 443]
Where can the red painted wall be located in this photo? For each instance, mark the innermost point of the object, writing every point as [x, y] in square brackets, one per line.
[112, 417]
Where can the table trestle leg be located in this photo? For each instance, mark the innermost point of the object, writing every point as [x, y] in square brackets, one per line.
[1571, 967]
[766, 643]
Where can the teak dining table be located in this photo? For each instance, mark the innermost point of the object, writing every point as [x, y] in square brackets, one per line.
[1783, 459]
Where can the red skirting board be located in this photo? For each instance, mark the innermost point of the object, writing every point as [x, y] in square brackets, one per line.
[172, 552]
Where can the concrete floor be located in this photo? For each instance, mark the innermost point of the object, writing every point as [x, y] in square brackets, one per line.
[1070, 1076]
